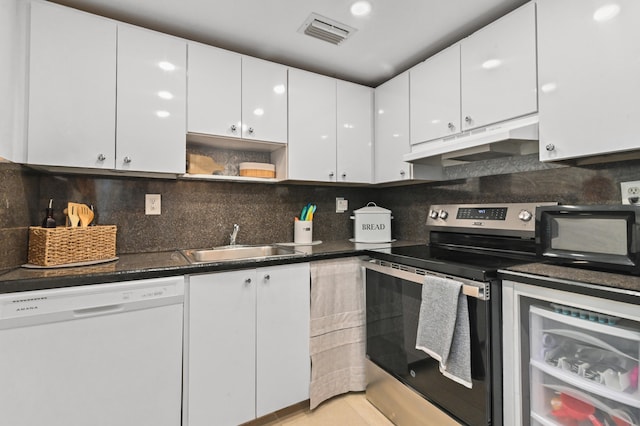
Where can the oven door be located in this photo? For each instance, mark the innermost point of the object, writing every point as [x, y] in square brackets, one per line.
[393, 298]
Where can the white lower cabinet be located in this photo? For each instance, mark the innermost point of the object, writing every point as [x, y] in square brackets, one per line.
[247, 344]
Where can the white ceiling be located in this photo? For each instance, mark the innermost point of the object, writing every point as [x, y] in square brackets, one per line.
[395, 36]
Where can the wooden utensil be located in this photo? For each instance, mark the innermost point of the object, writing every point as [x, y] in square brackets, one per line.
[72, 213]
[85, 214]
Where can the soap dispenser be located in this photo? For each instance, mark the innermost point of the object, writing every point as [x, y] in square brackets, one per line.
[49, 221]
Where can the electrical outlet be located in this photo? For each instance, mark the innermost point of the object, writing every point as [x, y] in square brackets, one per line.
[152, 204]
[342, 205]
[630, 192]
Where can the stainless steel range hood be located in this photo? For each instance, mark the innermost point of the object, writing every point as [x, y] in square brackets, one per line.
[507, 139]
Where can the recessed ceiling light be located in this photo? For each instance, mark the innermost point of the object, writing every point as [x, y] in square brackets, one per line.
[361, 8]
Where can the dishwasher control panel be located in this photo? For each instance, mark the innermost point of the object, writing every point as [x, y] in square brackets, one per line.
[90, 300]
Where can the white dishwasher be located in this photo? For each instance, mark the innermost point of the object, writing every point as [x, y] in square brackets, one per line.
[104, 354]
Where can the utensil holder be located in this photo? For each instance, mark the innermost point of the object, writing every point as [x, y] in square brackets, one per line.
[303, 232]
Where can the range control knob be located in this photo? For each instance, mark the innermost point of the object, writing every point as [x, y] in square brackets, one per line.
[443, 214]
[433, 214]
[525, 215]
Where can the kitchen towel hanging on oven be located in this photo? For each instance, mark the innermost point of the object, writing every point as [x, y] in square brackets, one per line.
[443, 328]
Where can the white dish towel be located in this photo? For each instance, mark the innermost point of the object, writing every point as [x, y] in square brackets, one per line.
[338, 337]
[443, 328]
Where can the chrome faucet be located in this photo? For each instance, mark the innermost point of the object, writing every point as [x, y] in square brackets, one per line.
[234, 234]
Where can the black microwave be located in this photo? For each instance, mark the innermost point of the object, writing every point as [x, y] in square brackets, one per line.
[603, 237]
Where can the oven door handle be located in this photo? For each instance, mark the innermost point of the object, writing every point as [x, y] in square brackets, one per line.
[478, 290]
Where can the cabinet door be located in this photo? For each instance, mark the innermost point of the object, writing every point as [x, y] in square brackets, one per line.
[354, 132]
[435, 96]
[392, 130]
[264, 100]
[589, 81]
[283, 363]
[151, 102]
[221, 348]
[213, 91]
[312, 127]
[72, 88]
[498, 70]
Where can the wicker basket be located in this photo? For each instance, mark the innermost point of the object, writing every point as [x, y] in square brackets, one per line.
[62, 245]
[261, 170]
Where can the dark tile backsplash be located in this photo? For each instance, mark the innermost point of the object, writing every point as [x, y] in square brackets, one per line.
[202, 213]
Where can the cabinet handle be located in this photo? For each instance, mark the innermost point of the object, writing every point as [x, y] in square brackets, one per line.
[451, 126]
[233, 127]
[402, 173]
[267, 277]
[250, 130]
[344, 175]
[468, 119]
[331, 174]
[101, 157]
[550, 147]
[247, 281]
[127, 160]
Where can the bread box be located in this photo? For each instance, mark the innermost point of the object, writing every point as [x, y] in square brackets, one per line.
[372, 224]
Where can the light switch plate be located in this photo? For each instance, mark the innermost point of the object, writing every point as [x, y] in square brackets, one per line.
[152, 204]
[630, 190]
[342, 205]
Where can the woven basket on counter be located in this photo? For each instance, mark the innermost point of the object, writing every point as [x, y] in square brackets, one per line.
[63, 245]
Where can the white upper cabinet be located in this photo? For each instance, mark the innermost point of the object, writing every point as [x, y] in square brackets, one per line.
[498, 70]
[392, 130]
[330, 129]
[589, 63]
[115, 98]
[312, 126]
[72, 88]
[264, 100]
[151, 101]
[236, 96]
[214, 87]
[435, 96]
[354, 132]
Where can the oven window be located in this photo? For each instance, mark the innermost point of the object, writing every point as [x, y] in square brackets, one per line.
[393, 307]
[604, 236]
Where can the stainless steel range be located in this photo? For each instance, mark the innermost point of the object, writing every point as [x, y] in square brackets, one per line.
[468, 244]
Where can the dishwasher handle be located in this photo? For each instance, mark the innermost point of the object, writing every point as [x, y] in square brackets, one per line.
[99, 310]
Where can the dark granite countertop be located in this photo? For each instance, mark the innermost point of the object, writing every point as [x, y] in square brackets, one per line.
[578, 275]
[162, 264]
[606, 285]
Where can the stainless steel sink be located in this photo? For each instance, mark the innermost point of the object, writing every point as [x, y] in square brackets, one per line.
[230, 253]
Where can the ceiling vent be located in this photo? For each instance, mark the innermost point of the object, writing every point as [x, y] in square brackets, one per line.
[326, 29]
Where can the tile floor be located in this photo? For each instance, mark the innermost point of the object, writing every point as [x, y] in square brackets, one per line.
[351, 409]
